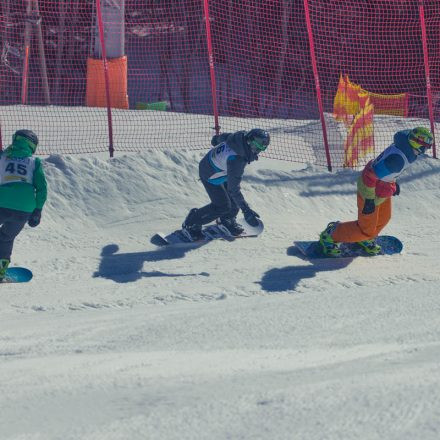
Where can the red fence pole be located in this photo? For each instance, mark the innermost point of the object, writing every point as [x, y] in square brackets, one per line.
[27, 48]
[24, 76]
[317, 85]
[211, 66]
[427, 75]
[106, 76]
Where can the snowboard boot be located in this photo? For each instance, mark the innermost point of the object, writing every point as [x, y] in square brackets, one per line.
[329, 246]
[4, 263]
[192, 231]
[370, 246]
[231, 225]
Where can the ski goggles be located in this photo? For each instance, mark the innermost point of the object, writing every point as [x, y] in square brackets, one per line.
[257, 146]
[422, 143]
[419, 143]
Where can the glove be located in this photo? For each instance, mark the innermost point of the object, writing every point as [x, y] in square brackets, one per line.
[397, 192]
[214, 140]
[34, 219]
[369, 206]
[250, 216]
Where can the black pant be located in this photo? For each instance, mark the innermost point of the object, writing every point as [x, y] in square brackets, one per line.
[12, 222]
[222, 205]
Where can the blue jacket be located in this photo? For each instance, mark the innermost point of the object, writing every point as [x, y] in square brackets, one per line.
[378, 179]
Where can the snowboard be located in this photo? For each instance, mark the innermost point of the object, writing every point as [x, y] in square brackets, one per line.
[210, 232]
[312, 249]
[17, 275]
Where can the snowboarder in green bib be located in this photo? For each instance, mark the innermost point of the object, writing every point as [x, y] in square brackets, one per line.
[23, 191]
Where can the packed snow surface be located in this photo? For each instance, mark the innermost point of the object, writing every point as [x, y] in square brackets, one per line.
[117, 339]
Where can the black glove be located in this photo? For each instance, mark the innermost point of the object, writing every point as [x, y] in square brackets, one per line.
[214, 140]
[34, 219]
[397, 192]
[369, 206]
[250, 216]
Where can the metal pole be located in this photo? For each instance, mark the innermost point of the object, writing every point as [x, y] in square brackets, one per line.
[60, 48]
[106, 75]
[317, 85]
[282, 59]
[27, 48]
[211, 66]
[43, 67]
[5, 9]
[427, 75]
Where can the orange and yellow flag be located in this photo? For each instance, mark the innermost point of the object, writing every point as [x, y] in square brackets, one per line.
[360, 139]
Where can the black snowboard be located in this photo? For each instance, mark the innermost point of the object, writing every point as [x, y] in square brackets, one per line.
[210, 232]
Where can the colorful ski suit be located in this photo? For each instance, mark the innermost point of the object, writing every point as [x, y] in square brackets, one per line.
[377, 182]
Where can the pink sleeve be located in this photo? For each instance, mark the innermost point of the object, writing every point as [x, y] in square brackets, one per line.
[369, 177]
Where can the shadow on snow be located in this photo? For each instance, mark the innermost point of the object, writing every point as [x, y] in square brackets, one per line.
[287, 278]
[127, 267]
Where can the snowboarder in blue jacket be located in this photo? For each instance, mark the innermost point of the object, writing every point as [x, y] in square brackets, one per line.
[221, 171]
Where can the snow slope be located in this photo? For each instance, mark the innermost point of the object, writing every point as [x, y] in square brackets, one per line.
[117, 339]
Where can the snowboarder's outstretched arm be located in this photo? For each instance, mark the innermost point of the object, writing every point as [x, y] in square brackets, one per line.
[235, 170]
[235, 173]
[40, 184]
[373, 189]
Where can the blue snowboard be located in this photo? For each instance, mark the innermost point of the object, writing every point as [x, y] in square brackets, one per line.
[312, 249]
[17, 275]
